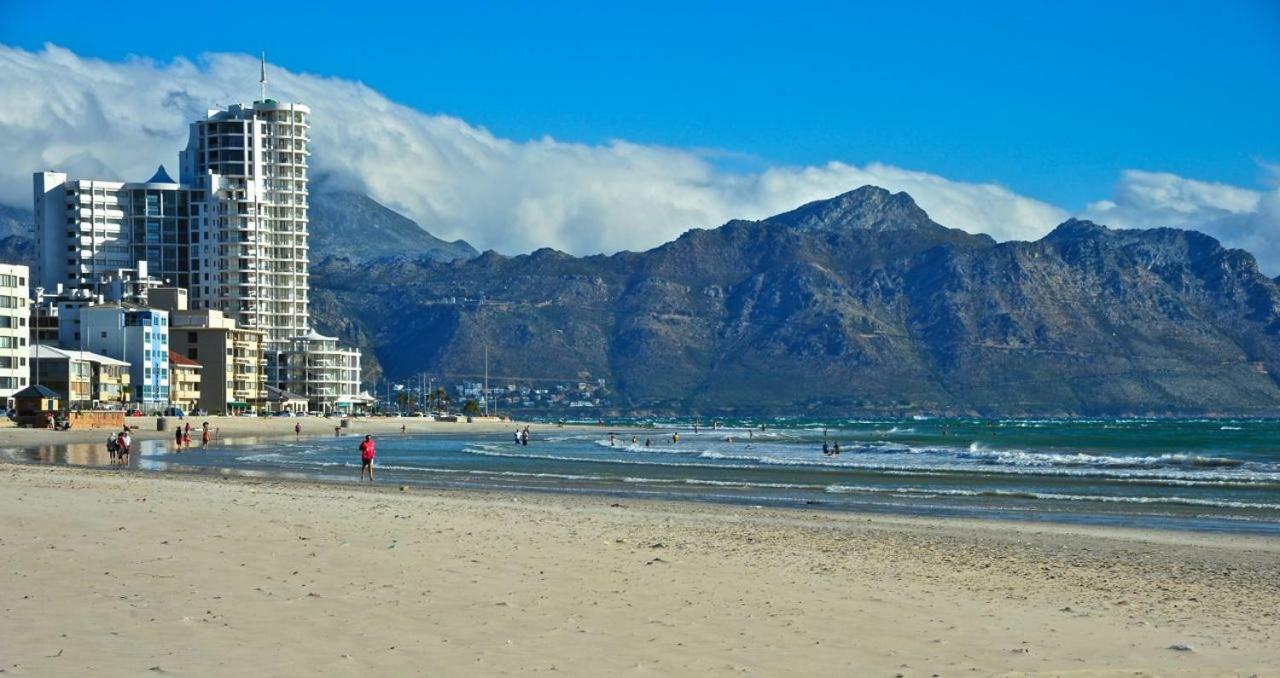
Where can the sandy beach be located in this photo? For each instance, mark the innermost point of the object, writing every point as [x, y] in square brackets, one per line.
[125, 573]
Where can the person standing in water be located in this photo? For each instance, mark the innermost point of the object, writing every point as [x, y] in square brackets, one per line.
[612, 437]
[835, 450]
[826, 449]
[297, 430]
[675, 438]
[367, 453]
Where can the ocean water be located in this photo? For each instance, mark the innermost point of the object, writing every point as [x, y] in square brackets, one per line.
[1202, 474]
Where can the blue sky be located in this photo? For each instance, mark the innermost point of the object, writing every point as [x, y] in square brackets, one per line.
[1053, 100]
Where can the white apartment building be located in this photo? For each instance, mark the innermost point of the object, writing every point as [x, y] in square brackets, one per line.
[248, 164]
[316, 367]
[15, 314]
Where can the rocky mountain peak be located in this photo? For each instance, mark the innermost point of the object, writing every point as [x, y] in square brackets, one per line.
[869, 208]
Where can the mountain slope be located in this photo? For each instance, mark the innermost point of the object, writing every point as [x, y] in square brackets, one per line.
[856, 304]
[357, 227]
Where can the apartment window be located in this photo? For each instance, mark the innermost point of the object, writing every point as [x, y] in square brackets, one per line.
[191, 337]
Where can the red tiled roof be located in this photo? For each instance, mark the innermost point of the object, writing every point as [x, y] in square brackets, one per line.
[175, 359]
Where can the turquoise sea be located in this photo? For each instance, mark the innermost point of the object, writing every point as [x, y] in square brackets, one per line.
[1199, 474]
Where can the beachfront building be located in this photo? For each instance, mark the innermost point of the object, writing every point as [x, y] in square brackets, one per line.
[232, 373]
[279, 400]
[86, 229]
[67, 375]
[184, 378]
[82, 379]
[139, 336]
[326, 374]
[249, 165]
[15, 313]
[232, 231]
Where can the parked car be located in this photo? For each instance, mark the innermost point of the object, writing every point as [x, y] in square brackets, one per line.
[135, 412]
[284, 413]
[174, 411]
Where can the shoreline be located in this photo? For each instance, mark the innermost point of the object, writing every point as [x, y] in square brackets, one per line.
[83, 449]
[197, 573]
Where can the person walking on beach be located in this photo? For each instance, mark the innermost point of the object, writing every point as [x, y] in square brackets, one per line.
[122, 444]
[367, 454]
[297, 430]
[186, 436]
[113, 449]
[204, 435]
[177, 439]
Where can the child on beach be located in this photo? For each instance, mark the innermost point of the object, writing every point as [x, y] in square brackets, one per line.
[367, 454]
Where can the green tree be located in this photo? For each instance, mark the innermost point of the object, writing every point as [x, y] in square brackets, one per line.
[471, 408]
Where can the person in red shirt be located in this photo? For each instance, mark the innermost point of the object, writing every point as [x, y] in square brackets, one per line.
[366, 457]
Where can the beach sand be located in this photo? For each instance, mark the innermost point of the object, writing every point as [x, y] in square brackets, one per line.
[110, 573]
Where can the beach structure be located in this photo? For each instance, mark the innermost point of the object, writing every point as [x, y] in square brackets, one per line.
[15, 315]
[232, 231]
[279, 400]
[82, 379]
[34, 406]
[139, 336]
[184, 377]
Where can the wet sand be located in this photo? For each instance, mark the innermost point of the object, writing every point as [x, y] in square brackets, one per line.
[124, 573]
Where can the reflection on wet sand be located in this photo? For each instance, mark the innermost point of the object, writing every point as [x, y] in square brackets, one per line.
[95, 454]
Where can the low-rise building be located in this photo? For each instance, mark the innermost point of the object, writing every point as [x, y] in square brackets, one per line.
[184, 378]
[82, 379]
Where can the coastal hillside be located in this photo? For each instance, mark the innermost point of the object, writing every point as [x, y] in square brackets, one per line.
[860, 304]
[356, 226]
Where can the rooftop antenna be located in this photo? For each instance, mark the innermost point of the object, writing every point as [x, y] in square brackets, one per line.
[262, 77]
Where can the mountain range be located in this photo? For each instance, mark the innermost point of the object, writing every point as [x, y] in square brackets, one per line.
[860, 304]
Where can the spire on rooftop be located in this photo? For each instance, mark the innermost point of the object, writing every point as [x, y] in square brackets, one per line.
[262, 77]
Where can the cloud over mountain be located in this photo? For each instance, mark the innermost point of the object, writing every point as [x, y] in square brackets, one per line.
[119, 120]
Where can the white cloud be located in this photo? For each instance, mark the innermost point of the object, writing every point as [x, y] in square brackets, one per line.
[1238, 217]
[118, 120]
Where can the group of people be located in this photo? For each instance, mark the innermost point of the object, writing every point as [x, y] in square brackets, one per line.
[182, 436]
[521, 436]
[831, 450]
[118, 446]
